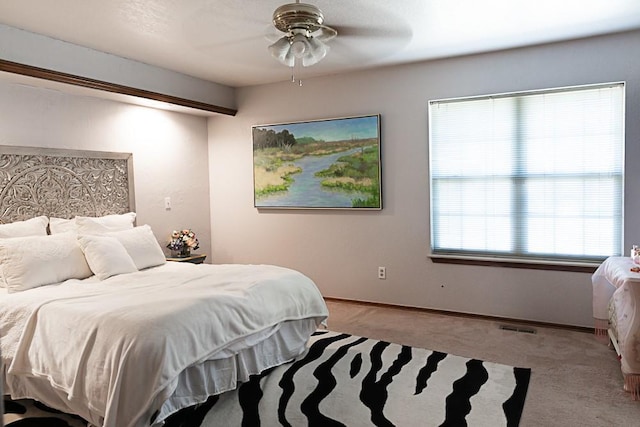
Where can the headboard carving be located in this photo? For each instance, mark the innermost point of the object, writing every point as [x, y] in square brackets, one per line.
[63, 183]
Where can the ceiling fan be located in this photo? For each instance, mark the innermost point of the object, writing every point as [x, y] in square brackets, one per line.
[305, 35]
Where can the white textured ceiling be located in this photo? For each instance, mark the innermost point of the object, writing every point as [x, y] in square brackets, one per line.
[225, 41]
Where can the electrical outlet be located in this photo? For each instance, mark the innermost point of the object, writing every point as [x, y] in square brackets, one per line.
[382, 273]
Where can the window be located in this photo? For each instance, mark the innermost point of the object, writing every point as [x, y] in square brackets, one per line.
[535, 176]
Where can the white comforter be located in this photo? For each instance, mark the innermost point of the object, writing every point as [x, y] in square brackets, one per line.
[116, 347]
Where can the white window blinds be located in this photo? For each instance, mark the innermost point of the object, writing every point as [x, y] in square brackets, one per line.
[528, 176]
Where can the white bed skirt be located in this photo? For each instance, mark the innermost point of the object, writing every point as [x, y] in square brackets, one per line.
[268, 348]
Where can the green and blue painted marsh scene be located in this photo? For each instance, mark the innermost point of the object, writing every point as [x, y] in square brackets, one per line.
[331, 164]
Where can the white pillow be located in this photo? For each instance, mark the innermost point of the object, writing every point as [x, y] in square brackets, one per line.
[60, 225]
[104, 224]
[106, 256]
[29, 262]
[141, 245]
[32, 227]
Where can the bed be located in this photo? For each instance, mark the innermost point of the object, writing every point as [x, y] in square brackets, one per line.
[616, 311]
[95, 322]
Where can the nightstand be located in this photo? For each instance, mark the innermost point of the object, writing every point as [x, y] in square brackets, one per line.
[193, 258]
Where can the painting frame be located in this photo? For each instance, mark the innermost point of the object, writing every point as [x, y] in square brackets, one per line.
[331, 164]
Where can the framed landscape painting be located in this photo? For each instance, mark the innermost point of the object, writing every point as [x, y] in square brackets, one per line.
[318, 164]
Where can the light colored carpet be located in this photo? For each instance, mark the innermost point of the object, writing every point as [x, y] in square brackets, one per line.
[575, 379]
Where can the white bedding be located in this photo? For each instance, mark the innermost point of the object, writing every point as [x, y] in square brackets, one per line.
[117, 347]
[614, 282]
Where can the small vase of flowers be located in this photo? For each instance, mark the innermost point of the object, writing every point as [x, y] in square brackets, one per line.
[182, 242]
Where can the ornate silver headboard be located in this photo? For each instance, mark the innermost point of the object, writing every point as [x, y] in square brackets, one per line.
[63, 183]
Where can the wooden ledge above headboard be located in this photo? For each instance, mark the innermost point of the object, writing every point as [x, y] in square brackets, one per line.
[72, 79]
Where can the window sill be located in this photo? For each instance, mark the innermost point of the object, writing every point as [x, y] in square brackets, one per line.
[511, 263]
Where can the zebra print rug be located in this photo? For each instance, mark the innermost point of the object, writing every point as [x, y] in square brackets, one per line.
[345, 380]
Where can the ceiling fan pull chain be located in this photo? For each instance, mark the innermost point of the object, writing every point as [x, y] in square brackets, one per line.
[296, 66]
[293, 79]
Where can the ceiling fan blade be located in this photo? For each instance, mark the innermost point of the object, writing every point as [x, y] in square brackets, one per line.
[361, 44]
[324, 33]
[403, 33]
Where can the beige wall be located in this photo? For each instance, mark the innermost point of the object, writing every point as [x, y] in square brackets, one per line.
[341, 250]
[169, 149]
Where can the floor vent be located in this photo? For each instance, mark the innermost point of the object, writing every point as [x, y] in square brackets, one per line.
[514, 328]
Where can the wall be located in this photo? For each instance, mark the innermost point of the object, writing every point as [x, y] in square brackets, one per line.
[169, 149]
[341, 250]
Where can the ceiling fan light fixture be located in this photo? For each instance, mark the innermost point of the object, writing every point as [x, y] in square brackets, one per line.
[304, 34]
[279, 49]
[316, 52]
[299, 45]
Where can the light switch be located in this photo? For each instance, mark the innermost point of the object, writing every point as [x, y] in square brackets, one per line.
[167, 203]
